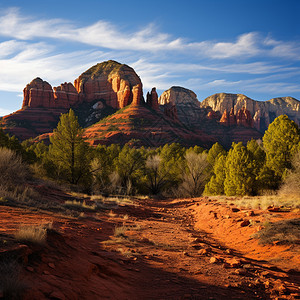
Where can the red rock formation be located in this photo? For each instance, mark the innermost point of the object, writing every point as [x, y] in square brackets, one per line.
[225, 118]
[244, 118]
[110, 81]
[65, 95]
[137, 94]
[232, 118]
[152, 99]
[38, 93]
[213, 115]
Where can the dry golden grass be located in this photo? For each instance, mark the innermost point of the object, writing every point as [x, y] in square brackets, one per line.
[286, 231]
[263, 202]
[80, 205]
[36, 234]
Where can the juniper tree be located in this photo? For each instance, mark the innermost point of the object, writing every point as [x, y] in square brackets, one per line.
[68, 151]
[281, 142]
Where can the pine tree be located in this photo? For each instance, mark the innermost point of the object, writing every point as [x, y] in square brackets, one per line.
[68, 151]
[240, 175]
[216, 184]
[214, 152]
[281, 142]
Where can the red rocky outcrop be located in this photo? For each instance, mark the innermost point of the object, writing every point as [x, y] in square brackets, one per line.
[65, 95]
[152, 99]
[112, 82]
[243, 117]
[213, 115]
[38, 93]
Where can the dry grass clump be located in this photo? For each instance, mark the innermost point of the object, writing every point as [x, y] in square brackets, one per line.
[284, 232]
[11, 285]
[263, 202]
[80, 205]
[36, 234]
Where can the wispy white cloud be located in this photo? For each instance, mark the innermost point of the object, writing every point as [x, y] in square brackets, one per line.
[106, 35]
[30, 47]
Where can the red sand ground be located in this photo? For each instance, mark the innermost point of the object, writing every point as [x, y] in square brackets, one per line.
[170, 249]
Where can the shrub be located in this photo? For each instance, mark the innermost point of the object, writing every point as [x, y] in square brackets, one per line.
[12, 169]
[291, 184]
[33, 234]
[196, 174]
[287, 231]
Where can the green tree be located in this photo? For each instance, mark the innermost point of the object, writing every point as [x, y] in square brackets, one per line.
[240, 175]
[68, 151]
[102, 166]
[281, 142]
[130, 166]
[216, 184]
[214, 152]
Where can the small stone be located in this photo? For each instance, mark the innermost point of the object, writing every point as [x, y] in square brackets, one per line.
[265, 273]
[202, 251]
[213, 260]
[51, 265]
[30, 269]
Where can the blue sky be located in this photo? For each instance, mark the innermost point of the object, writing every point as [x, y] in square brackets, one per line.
[248, 47]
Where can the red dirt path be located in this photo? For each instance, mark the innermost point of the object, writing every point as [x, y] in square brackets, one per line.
[171, 249]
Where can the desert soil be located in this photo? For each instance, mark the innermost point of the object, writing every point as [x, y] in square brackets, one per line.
[161, 249]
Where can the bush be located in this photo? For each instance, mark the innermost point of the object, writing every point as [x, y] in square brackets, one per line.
[291, 184]
[12, 169]
[33, 234]
[196, 175]
[285, 232]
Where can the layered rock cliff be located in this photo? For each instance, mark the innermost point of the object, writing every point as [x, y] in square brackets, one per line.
[262, 112]
[182, 104]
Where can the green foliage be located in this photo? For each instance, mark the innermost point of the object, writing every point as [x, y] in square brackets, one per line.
[68, 151]
[216, 184]
[130, 166]
[214, 152]
[102, 166]
[13, 144]
[240, 177]
[281, 142]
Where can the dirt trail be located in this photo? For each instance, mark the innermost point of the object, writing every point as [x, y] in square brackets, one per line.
[160, 250]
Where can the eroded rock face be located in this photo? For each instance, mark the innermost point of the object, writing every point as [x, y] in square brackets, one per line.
[178, 95]
[110, 81]
[243, 118]
[262, 112]
[152, 99]
[38, 93]
[65, 95]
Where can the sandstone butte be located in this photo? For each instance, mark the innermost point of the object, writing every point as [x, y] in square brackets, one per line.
[109, 86]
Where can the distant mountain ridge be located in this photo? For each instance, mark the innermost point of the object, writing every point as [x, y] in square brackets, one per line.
[99, 93]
